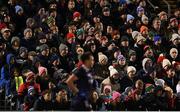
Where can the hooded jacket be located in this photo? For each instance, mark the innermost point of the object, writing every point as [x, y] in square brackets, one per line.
[6, 70]
[143, 71]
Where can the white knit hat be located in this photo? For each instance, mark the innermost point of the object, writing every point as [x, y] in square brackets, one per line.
[173, 50]
[102, 57]
[159, 82]
[144, 17]
[165, 63]
[140, 37]
[112, 70]
[175, 36]
[129, 17]
[131, 68]
[178, 88]
[135, 34]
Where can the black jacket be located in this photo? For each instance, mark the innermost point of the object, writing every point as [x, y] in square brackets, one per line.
[40, 105]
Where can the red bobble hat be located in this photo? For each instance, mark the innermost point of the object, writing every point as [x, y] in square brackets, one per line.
[70, 35]
[76, 14]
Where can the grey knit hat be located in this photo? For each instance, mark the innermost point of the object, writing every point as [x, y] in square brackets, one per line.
[15, 38]
[62, 47]
[43, 47]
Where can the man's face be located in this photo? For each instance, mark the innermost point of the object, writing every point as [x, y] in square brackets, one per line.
[45, 52]
[125, 43]
[71, 5]
[157, 24]
[90, 62]
[174, 23]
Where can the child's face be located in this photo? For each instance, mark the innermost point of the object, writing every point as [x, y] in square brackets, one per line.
[107, 91]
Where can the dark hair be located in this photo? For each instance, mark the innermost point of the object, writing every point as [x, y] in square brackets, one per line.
[86, 56]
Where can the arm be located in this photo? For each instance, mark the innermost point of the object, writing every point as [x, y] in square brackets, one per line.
[70, 82]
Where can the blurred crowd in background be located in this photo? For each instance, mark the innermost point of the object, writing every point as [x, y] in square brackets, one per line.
[89, 55]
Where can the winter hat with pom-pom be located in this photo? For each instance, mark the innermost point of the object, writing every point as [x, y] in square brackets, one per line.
[102, 57]
[129, 17]
[112, 70]
[159, 82]
[130, 69]
[116, 95]
[166, 63]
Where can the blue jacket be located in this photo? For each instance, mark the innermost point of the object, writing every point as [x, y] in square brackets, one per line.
[6, 70]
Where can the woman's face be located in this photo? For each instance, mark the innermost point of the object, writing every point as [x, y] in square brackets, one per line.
[122, 62]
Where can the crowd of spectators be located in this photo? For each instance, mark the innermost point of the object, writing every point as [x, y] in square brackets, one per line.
[89, 55]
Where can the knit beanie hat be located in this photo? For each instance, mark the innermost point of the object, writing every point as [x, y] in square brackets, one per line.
[174, 37]
[132, 52]
[129, 17]
[166, 63]
[15, 39]
[62, 47]
[159, 82]
[115, 95]
[42, 71]
[53, 58]
[161, 14]
[30, 76]
[18, 8]
[112, 70]
[135, 34]
[156, 38]
[149, 87]
[79, 31]
[102, 57]
[128, 89]
[161, 58]
[147, 47]
[120, 57]
[140, 37]
[130, 69]
[43, 47]
[178, 88]
[76, 14]
[143, 28]
[139, 9]
[27, 30]
[22, 50]
[70, 36]
[144, 17]
[124, 38]
[173, 50]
